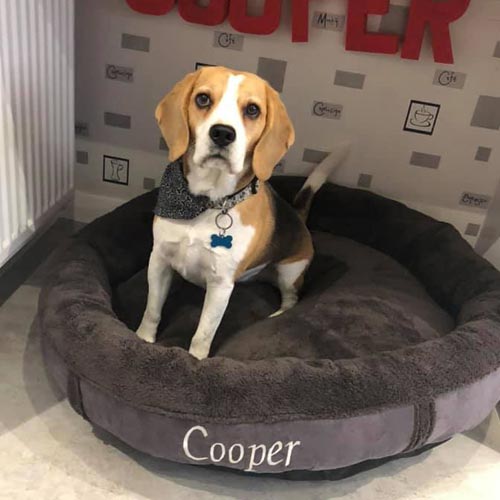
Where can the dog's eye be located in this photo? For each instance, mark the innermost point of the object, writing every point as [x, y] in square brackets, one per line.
[252, 111]
[203, 100]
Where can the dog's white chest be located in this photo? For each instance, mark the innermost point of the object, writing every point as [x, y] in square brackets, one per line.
[186, 245]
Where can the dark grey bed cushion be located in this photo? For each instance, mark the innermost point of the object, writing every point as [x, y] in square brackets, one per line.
[375, 360]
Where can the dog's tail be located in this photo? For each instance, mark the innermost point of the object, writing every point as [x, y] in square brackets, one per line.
[318, 177]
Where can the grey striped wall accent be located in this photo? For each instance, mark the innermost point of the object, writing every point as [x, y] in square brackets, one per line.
[37, 115]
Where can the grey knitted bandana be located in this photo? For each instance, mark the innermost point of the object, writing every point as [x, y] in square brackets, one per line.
[175, 201]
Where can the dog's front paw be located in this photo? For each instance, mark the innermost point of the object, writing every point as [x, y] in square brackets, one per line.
[199, 351]
[146, 334]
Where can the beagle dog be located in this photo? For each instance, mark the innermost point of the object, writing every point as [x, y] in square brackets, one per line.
[226, 131]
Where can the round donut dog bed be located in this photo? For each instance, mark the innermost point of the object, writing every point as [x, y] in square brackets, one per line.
[393, 347]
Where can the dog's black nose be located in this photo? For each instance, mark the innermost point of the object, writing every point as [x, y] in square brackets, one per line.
[222, 135]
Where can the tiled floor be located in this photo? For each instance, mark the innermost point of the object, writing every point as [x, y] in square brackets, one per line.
[49, 452]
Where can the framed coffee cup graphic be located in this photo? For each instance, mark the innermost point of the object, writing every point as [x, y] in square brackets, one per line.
[422, 117]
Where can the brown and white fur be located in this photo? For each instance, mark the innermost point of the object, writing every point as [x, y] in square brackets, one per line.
[266, 230]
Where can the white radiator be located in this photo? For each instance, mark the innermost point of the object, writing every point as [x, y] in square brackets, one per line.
[36, 116]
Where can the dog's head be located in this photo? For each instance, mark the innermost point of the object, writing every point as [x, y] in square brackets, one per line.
[225, 120]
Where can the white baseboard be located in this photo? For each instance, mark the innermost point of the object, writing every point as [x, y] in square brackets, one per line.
[458, 218]
[493, 254]
[42, 223]
[88, 206]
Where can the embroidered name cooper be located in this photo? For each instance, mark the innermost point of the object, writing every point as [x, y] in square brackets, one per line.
[251, 456]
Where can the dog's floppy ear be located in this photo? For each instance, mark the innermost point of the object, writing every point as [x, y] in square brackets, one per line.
[277, 137]
[172, 116]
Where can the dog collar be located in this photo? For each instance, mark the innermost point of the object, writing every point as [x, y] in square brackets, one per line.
[175, 201]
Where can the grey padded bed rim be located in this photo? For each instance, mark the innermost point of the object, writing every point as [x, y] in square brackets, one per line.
[286, 413]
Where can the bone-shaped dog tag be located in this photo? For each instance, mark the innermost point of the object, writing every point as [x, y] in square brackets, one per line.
[218, 240]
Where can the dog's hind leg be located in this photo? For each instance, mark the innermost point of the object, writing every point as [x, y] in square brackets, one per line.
[290, 280]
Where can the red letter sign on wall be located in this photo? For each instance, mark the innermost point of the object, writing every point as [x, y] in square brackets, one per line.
[439, 16]
[300, 20]
[357, 38]
[211, 15]
[256, 25]
[153, 7]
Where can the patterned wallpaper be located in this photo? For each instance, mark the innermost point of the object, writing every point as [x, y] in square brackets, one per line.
[423, 133]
